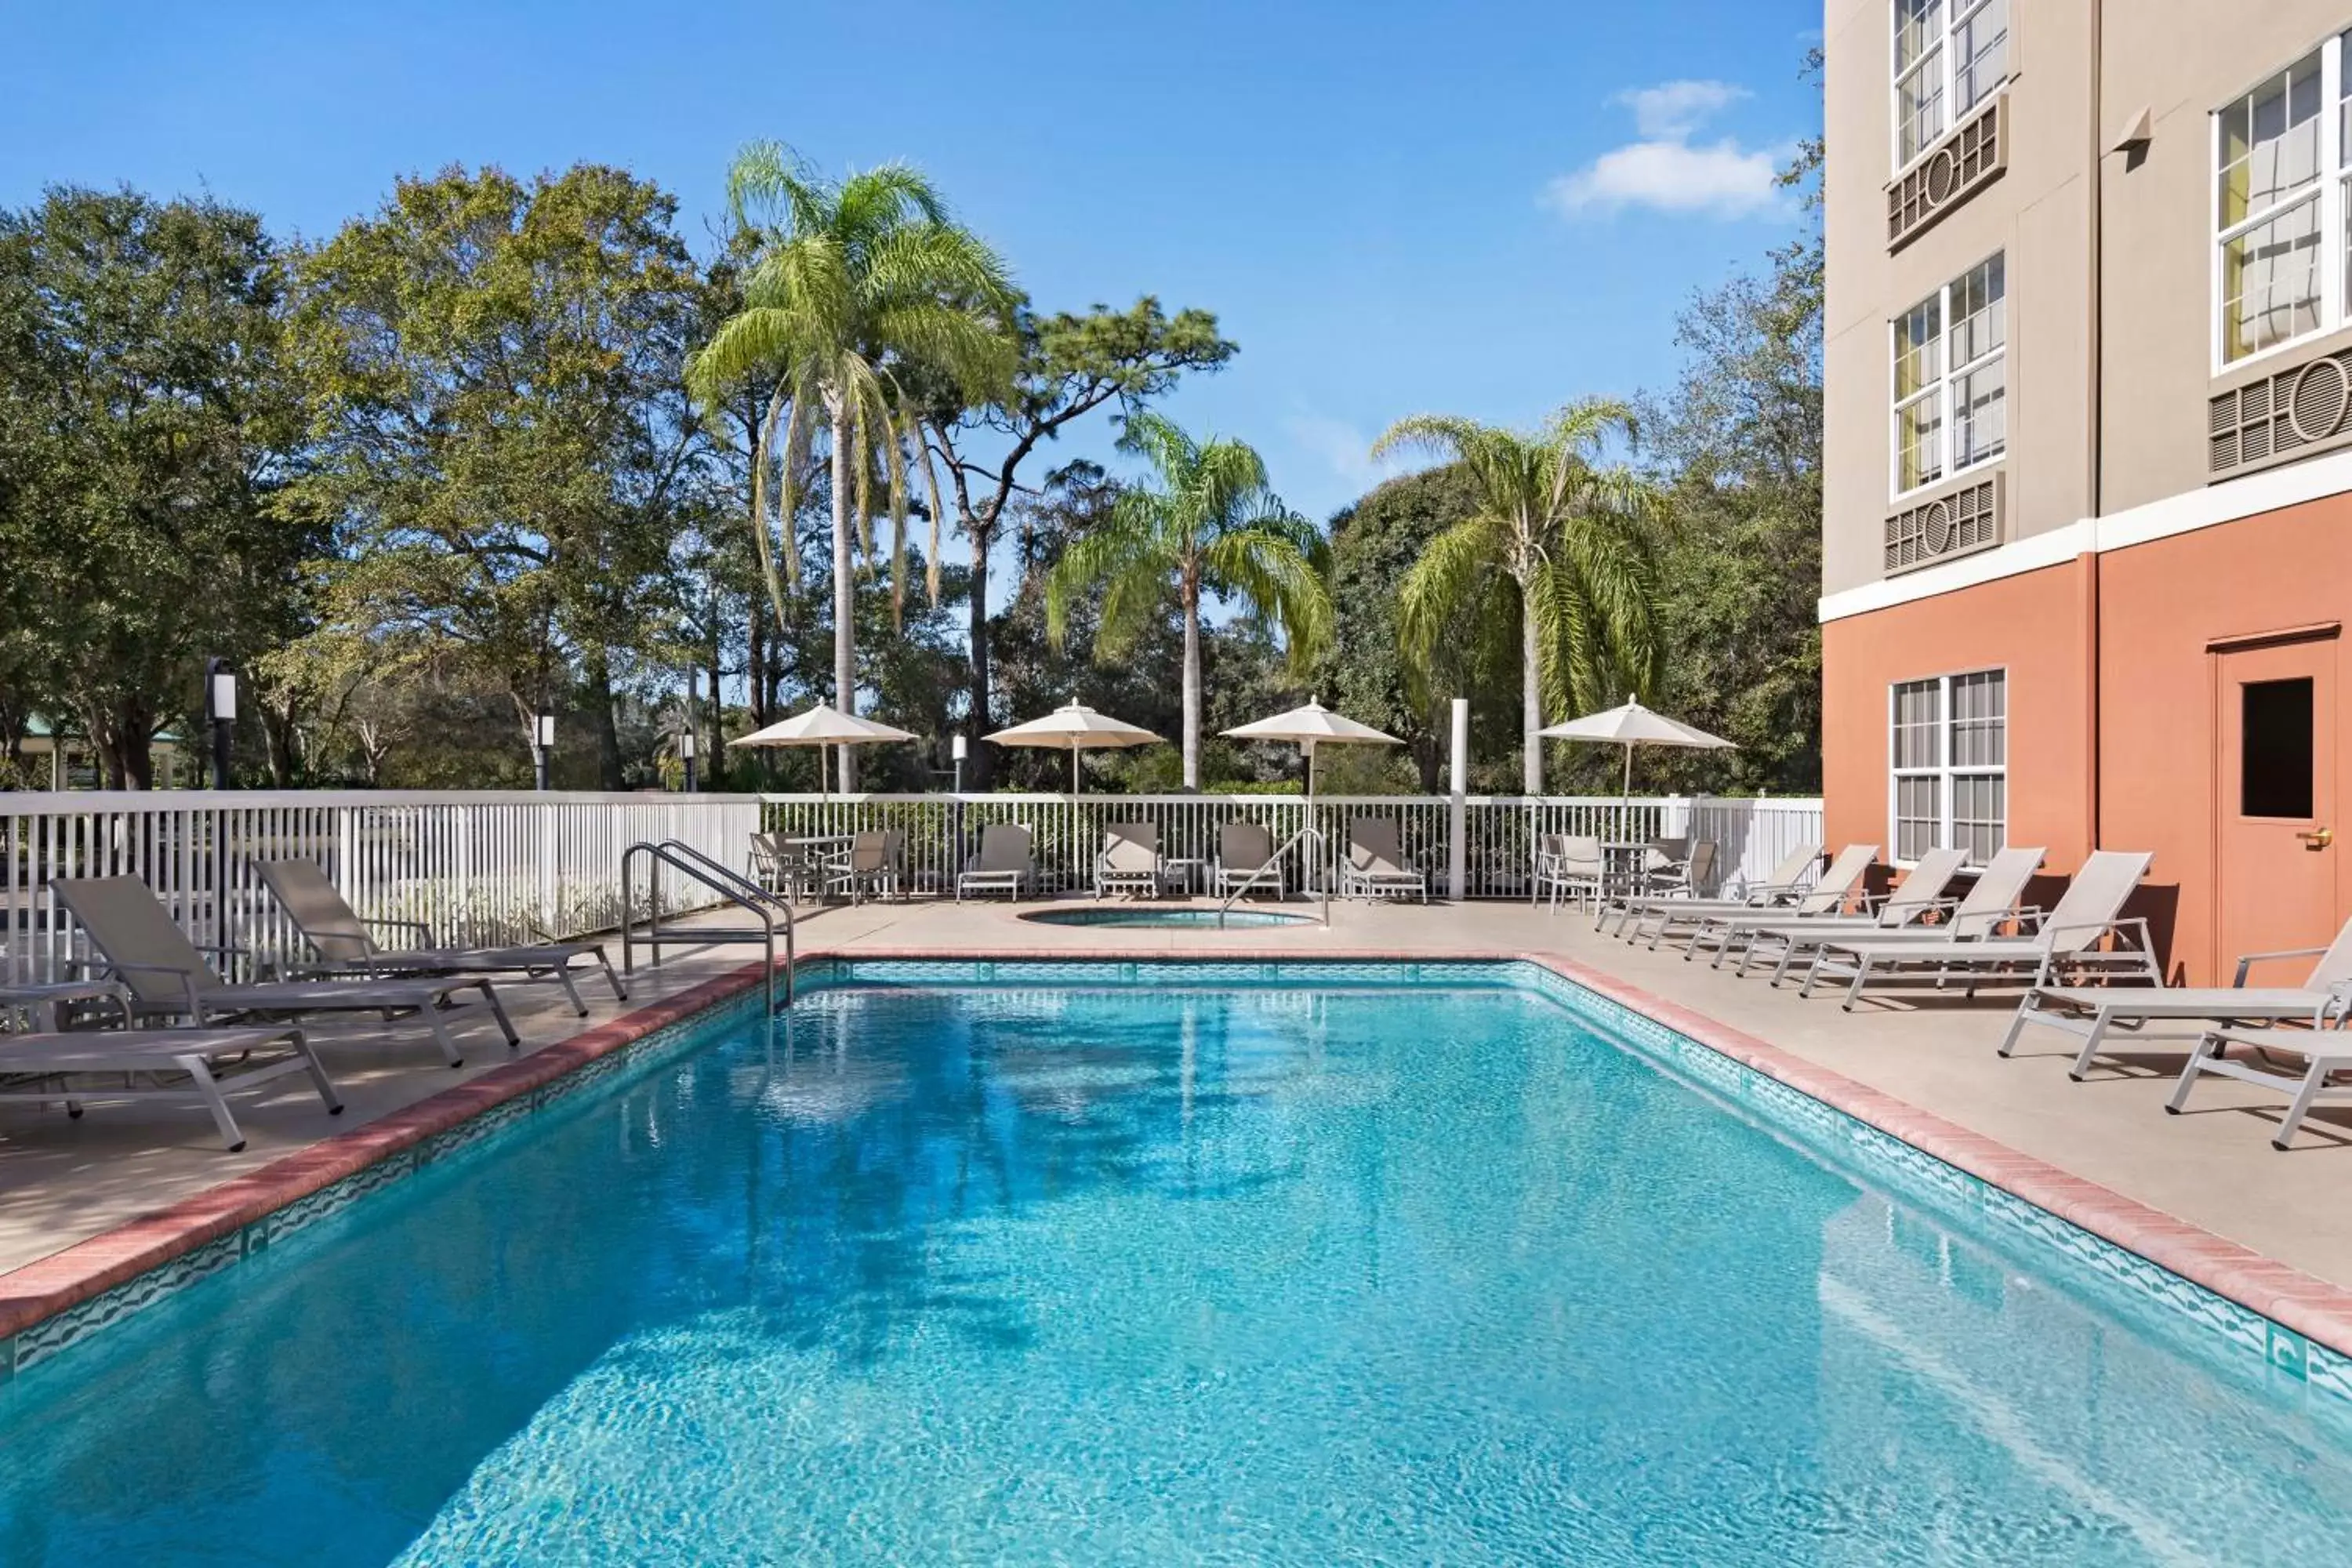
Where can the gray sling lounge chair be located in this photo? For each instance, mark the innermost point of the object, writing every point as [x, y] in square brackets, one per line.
[1128, 861]
[346, 946]
[2066, 939]
[83, 1066]
[1245, 860]
[1920, 895]
[1788, 883]
[2325, 1053]
[2092, 1011]
[1837, 894]
[1993, 901]
[167, 976]
[1004, 862]
[1375, 863]
[1831, 893]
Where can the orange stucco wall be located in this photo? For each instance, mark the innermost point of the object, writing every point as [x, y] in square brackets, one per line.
[2149, 613]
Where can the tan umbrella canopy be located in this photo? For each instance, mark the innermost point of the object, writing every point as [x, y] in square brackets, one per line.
[822, 725]
[1634, 725]
[1312, 726]
[1075, 728]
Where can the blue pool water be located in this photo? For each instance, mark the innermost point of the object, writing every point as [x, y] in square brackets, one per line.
[1145, 917]
[1157, 1275]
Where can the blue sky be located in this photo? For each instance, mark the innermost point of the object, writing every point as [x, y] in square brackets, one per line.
[1483, 208]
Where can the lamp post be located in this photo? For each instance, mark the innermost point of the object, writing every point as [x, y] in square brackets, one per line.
[959, 748]
[686, 752]
[542, 745]
[220, 714]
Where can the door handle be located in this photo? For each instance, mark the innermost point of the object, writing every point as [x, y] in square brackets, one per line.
[2317, 839]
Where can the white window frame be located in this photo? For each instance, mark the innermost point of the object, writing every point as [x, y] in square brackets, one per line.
[1950, 376]
[2332, 179]
[1945, 49]
[1944, 770]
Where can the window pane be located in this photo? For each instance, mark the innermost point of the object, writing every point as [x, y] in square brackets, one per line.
[1918, 24]
[1979, 724]
[1980, 415]
[1919, 443]
[1918, 724]
[1918, 815]
[1979, 816]
[2270, 283]
[1919, 106]
[1918, 347]
[1979, 312]
[1980, 53]
[2269, 141]
[2274, 752]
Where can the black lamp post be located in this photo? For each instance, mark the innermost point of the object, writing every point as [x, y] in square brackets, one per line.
[220, 715]
[542, 736]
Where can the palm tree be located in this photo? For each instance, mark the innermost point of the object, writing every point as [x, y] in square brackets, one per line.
[848, 280]
[1575, 539]
[1209, 525]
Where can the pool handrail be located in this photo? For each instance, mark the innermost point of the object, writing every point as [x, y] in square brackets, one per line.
[1273, 863]
[729, 884]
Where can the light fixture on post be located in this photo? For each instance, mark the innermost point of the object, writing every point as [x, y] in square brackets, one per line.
[220, 715]
[960, 747]
[686, 754]
[542, 747]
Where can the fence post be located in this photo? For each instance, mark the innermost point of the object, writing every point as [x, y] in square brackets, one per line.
[1457, 813]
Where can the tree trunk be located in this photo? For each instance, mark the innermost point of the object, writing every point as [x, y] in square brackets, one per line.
[844, 592]
[755, 668]
[976, 723]
[596, 668]
[1191, 686]
[1530, 694]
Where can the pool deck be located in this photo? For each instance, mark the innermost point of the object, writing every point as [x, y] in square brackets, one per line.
[2204, 1192]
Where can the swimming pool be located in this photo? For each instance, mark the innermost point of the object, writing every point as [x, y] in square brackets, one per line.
[1144, 917]
[1155, 1263]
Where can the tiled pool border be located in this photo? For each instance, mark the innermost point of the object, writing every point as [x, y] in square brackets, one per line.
[2295, 1324]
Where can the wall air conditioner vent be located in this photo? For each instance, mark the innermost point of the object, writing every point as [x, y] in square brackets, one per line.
[1956, 522]
[2293, 412]
[1971, 158]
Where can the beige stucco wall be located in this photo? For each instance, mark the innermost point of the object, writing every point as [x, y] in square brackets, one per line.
[2179, 59]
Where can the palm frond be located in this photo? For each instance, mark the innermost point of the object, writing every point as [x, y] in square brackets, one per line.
[1445, 583]
[1265, 564]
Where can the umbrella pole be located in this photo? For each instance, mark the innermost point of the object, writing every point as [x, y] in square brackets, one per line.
[1625, 795]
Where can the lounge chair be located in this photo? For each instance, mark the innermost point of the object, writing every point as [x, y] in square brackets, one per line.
[1569, 865]
[1788, 883]
[1128, 861]
[1832, 892]
[84, 1066]
[2066, 939]
[1837, 894]
[1680, 873]
[1375, 865]
[1004, 862]
[2325, 1052]
[1991, 902]
[167, 976]
[346, 946]
[2092, 1011]
[871, 864]
[1246, 860]
[1920, 894]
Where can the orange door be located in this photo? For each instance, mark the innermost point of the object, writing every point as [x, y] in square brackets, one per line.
[2276, 799]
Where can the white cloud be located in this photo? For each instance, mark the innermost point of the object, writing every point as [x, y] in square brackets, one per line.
[1343, 448]
[1666, 171]
[1673, 109]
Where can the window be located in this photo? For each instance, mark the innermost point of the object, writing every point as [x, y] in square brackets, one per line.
[2278, 193]
[1950, 785]
[1949, 54]
[1950, 384]
[2275, 750]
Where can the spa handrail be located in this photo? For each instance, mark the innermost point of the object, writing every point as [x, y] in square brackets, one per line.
[1273, 863]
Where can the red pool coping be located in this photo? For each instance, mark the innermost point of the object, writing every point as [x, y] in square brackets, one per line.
[2320, 1311]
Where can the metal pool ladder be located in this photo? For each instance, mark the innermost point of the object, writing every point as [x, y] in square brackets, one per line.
[729, 884]
[1274, 864]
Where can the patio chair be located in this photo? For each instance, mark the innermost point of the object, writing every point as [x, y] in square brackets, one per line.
[2091, 1011]
[81, 1067]
[346, 944]
[1787, 884]
[1246, 860]
[1128, 861]
[1831, 892]
[1919, 894]
[1992, 901]
[870, 864]
[2325, 1053]
[1569, 865]
[1004, 862]
[788, 869]
[167, 975]
[1688, 873]
[1375, 865]
[2065, 940]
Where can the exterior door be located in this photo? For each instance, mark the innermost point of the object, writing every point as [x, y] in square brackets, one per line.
[2276, 854]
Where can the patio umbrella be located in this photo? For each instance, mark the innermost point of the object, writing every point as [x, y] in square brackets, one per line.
[1311, 726]
[822, 726]
[1635, 725]
[1075, 728]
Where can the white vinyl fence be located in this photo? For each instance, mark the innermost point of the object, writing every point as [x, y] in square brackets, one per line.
[477, 866]
[1499, 832]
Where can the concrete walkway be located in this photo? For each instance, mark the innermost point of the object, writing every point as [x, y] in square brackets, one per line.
[63, 1180]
